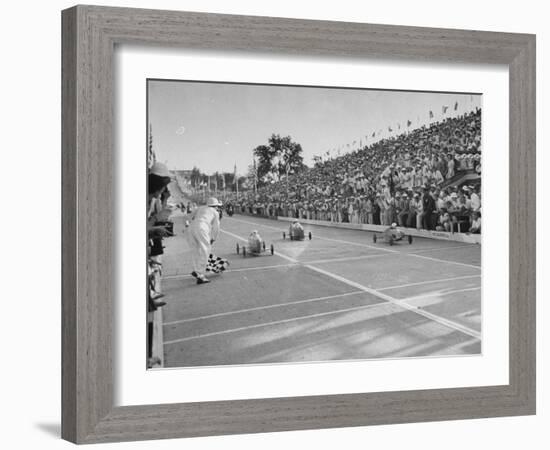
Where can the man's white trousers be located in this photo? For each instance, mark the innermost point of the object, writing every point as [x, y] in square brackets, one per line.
[198, 238]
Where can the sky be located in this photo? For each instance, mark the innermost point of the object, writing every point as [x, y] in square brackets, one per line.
[215, 126]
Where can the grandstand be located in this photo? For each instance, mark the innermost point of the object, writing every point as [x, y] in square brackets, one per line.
[445, 157]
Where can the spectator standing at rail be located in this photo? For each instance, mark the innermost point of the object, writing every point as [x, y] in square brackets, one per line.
[414, 205]
[476, 223]
[368, 210]
[462, 204]
[444, 221]
[388, 206]
[403, 213]
[419, 211]
[475, 201]
[428, 208]
[351, 211]
[381, 207]
[376, 212]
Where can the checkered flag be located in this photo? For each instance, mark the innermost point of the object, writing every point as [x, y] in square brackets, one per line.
[216, 264]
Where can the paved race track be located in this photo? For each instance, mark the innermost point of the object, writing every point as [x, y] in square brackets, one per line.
[336, 297]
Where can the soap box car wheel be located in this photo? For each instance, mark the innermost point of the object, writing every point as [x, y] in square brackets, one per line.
[410, 239]
[374, 238]
[390, 241]
[244, 251]
[291, 238]
[263, 245]
[309, 235]
[272, 249]
[238, 249]
[284, 235]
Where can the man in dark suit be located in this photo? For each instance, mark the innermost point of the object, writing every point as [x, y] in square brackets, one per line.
[428, 208]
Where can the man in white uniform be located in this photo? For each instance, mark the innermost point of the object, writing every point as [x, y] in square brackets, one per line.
[203, 230]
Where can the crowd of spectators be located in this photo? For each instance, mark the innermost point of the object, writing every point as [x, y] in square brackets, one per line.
[407, 179]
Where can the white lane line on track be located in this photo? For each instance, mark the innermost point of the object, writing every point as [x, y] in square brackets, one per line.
[244, 269]
[440, 294]
[441, 320]
[473, 266]
[432, 249]
[358, 244]
[428, 282]
[397, 252]
[258, 308]
[351, 258]
[276, 322]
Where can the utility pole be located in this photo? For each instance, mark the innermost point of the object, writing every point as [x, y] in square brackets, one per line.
[287, 172]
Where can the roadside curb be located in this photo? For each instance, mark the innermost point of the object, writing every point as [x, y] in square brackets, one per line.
[440, 235]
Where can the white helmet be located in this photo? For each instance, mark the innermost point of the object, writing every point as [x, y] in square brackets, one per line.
[212, 201]
[159, 170]
[394, 225]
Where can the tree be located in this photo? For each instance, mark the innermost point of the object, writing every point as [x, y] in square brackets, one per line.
[229, 178]
[241, 182]
[281, 156]
[196, 177]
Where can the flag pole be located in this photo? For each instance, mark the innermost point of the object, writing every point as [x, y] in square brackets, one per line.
[255, 177]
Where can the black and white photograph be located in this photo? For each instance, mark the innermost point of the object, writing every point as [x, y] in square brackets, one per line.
[303, 224]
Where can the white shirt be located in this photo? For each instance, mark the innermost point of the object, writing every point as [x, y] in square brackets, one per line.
[207, 219]
[476, 224]
[476, 202]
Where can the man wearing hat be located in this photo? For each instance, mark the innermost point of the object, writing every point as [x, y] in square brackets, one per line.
[454, 199]
[428, 208]
[474, 199]
[203, 230]
[415, 210]
[158, 179]
[403, 213]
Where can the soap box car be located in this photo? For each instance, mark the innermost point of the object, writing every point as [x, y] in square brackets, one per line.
[255, 246]
[391, 235]
[296, 232]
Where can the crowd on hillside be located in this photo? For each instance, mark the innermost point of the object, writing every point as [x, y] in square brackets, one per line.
[408, 179]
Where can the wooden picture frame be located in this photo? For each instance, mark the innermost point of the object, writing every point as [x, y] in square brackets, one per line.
[90, 34]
